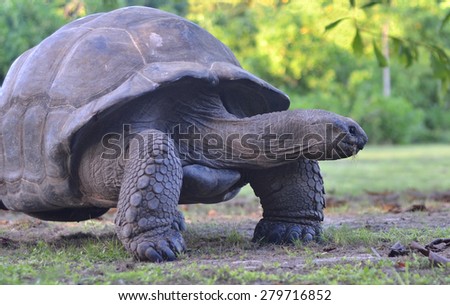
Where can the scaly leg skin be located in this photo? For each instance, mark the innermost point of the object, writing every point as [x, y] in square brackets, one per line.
[292, 197]
[147, 221]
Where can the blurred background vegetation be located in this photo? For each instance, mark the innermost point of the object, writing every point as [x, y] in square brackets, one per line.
[382, 62]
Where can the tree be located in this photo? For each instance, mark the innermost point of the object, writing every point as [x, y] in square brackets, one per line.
[313, 50]
[405, 47]
[22, 26]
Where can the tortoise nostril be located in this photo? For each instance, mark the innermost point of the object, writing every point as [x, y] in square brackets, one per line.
[352, 130]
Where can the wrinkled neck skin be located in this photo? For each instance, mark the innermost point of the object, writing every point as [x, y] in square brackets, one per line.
[210, 135]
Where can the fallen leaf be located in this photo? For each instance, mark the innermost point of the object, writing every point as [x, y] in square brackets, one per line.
[398, 250]
[400, 266]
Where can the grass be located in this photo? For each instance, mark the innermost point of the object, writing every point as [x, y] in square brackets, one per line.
[345, 236]
[357, 237]
[385, 168]
[237, 262]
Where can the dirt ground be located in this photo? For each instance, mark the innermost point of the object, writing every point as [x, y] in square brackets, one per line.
[17, 229]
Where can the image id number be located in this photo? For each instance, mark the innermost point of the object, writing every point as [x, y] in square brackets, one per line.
[295, 295]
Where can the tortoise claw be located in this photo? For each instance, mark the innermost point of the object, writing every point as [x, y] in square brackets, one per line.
[153, 256]
[166, 248]
[279, 232]
[166, 251]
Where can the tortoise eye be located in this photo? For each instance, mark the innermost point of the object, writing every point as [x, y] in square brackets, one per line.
[352, 130]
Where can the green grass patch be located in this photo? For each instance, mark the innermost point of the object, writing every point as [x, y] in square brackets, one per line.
[386, 168]
[346, 236]
[61, 262]
[383, 272]
[226, 256]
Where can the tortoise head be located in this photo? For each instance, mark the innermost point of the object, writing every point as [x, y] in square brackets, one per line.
[329, 136]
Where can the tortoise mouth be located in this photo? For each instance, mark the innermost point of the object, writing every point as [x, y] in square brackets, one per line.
[350, 148]
[351, 145]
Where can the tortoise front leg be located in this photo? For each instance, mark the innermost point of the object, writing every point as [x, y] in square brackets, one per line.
[292, 197]
[147, 221]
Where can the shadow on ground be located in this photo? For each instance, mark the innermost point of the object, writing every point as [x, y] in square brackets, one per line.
[219, 237]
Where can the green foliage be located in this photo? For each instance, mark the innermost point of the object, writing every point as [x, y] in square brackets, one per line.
[335, 23]
[309, 53]
[24, 23]
[393, 120]
[358, 44]
[406, 49]
[22, 26]
[96, 6]
[382, 61]
[444, 21]
[306, 48]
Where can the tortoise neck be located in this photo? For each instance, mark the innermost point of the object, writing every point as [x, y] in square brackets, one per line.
[209, 134]
[259, 141]
[264, 140]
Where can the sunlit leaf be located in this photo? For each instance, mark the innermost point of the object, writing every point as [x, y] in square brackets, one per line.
[382, 61]
[415, 53]
[357, 44]
[405, 51]
[370, 4]
[335, 23]
[445, 86]
[443, 56]
[444, 21]
[407, 55]
[440, 64]
[397, 46]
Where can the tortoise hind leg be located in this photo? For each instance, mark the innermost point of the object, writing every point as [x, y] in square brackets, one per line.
[147, 221]
[70, 214]
[292, 197]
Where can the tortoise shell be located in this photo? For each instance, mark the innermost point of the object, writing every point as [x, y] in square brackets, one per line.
[96, 64]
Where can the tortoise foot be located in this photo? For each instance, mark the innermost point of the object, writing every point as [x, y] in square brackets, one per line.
[280, 232]
[159, 248]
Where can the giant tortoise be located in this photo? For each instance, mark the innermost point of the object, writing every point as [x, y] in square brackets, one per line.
[143, 110]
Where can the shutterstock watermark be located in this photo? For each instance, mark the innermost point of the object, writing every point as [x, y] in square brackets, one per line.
[193, 145]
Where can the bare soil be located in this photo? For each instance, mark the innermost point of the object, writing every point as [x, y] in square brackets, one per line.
[17, 229]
